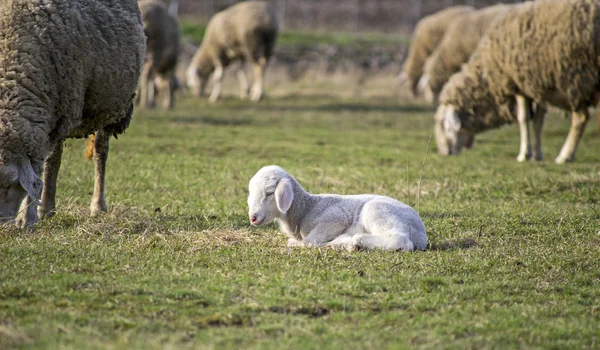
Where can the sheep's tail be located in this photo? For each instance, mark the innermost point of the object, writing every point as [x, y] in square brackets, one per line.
[89, 146]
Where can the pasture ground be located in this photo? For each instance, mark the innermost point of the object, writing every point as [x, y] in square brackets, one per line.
[175, 264]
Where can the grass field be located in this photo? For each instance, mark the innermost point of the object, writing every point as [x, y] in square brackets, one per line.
[175, 264]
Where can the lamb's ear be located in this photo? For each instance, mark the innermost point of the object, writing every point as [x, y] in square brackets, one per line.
[284, 195]
[30, 181]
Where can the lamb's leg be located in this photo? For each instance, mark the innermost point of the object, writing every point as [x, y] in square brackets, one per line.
[51, 168]
[243, 80]
[217, 79]
[258, 69]
[292, 242]
[578, 121]
[100, 157]
[27, 215]
[396, 241]
[523, 117]
[325, 232]
[538, 124]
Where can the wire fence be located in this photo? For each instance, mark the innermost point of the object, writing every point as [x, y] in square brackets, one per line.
[387, 16]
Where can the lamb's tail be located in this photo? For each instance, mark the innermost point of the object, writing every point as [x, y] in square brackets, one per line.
[89, 146]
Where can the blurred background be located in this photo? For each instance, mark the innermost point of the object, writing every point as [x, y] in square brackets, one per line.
[339, 47]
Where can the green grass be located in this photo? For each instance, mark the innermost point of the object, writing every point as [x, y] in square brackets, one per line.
[194, 33]
[175, 263]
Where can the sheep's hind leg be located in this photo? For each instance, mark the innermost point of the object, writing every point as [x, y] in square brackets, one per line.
[538, 124]
[578, 122]
[523, 117]
[258, 69]
[243, 80]
[100, 157]
[51, 168]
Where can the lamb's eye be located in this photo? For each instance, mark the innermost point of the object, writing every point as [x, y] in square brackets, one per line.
[268, 194]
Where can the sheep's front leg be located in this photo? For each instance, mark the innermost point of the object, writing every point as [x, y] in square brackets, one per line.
[243, 80]
[538, 124]
[523, 117]
[146, 96]
[258, 69]
[217, 79]
[578, 121]
[51, 168]
[100, 157]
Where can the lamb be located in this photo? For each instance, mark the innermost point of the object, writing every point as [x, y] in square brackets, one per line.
[247, 32]
[352, 222]
[461, 39]
[68, 68]
[427, 35]
[163, 46]
[544, 51]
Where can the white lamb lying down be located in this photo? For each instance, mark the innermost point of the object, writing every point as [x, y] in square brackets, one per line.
[353, 222]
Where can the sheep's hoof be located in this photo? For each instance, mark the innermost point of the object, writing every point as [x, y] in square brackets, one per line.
[562, 160]
[97, 208]
[46, 213]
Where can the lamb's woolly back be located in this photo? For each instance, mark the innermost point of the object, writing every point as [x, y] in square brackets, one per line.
[459, 43]
[428, 33]
[553, 59]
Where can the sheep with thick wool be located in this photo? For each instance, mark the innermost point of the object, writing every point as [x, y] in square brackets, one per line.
[163, 47]
[247, 32]
[353, 222]
[68, 68]
[427, 35]
[544, 51]
[455, 49]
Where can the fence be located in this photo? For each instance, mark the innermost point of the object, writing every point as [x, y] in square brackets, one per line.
[388, 16]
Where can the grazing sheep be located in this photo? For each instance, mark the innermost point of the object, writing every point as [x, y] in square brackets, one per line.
[544, 51]
[360, 221]
[162, 31]
[68, 68]
[246, 32]
[461, 39]
[427, 35]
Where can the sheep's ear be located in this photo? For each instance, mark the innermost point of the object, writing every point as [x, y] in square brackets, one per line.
[30, 181]
[284, 195]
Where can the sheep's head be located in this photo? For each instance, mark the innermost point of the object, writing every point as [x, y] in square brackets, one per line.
[450, 133]
[17, 181]
[197, 79]
[270, 195]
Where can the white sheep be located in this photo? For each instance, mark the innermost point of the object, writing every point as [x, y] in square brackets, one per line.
[543, 51]
[352, 222]
[247, 32]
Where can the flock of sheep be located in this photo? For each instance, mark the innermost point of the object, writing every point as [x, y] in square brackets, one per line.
[485, 67]
[506, 63]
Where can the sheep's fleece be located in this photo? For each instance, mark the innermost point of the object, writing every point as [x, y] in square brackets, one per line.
[352, 222]
[68, 68]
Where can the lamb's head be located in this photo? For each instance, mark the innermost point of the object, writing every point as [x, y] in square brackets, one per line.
[17, 181]
[451, 135]
[270, 196]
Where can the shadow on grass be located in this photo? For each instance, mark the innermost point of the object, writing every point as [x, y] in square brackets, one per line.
[465, 243]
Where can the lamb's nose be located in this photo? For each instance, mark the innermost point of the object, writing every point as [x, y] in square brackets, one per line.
[253, 219]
